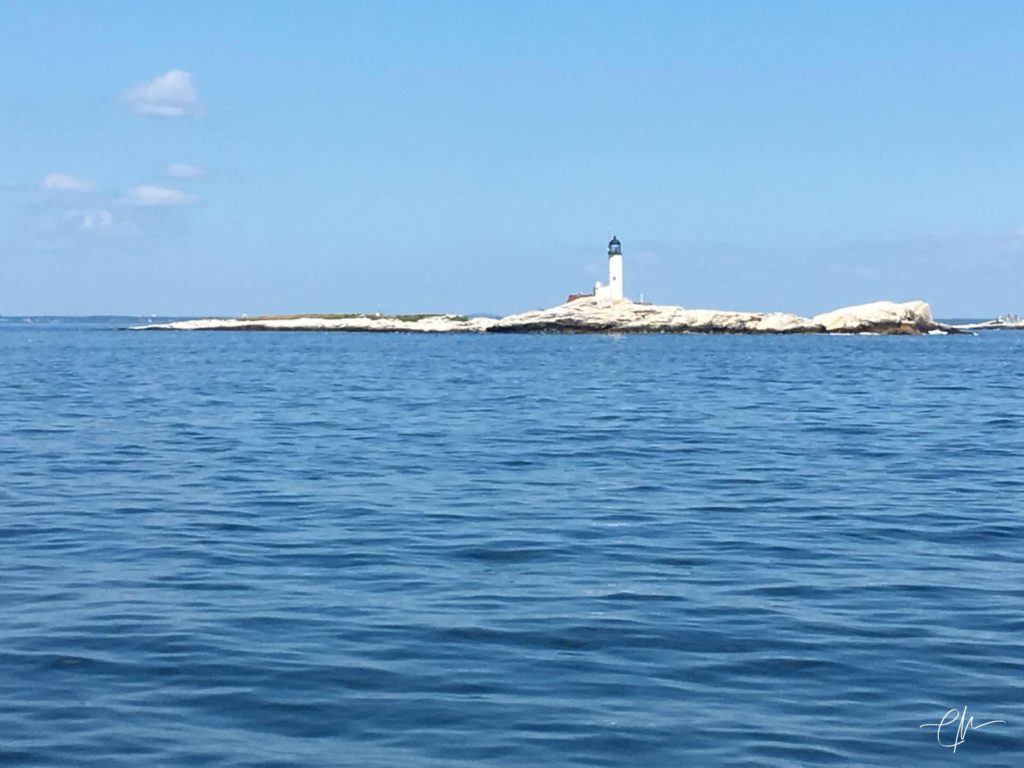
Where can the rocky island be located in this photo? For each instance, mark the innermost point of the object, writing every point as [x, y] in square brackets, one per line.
[605, 309]
[591, 314]
[1004, 323]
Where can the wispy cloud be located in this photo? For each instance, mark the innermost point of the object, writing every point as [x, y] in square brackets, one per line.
[64, 182]
[56, 230]
[152, 195]
[172, 94]
[185, 171]
[96, 220]
[99, 221]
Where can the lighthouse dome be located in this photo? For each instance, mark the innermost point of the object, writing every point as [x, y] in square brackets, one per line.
[614, 246]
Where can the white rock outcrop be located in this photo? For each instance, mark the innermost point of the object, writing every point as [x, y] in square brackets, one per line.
[880, 315]
[589, 315]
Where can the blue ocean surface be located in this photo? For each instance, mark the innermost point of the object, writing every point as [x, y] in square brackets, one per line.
[316, 549]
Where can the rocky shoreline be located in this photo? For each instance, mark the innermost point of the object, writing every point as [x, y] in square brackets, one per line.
[353, 323]
[592, 315]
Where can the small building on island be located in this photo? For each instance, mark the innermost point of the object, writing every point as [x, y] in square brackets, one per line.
[613, 290]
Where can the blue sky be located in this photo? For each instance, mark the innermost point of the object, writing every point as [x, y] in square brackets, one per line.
[220, 157]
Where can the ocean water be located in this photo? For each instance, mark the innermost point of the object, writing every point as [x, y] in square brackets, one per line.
[310, 549]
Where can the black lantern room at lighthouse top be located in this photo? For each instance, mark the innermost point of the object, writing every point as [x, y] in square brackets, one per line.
[614, 246]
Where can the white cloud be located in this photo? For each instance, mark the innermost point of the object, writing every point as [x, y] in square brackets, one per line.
[64, 182]
[185, 171]
[152, 195]
[171, 94]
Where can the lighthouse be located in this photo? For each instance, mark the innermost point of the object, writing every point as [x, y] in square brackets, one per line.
[614, 288]
[615, 268]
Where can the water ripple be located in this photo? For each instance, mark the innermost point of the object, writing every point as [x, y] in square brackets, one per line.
[321, 550]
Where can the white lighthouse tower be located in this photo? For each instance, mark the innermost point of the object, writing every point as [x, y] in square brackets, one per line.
[614, 288]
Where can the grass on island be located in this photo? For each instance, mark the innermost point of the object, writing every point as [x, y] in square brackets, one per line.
[358, 316]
